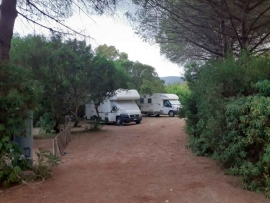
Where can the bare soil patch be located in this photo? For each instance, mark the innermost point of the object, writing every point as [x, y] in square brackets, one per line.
[145, 163]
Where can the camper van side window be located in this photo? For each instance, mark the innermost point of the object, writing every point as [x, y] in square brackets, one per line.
[149, 100]
[142, 100]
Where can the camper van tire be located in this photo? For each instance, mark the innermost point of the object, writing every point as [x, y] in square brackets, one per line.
[157, 115]
[118, 121]
[147, 114]
[171, 114]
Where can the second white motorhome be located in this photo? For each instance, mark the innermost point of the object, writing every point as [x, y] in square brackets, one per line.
[160, 104]
[119, 108]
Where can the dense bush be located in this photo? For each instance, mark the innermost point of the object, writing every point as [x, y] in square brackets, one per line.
[46, 122]
[18, 94]
[228, 116]
[246, 143]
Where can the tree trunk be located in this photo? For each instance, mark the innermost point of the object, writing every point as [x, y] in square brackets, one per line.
[8, 14]
[56, 126]
[96, 107]
[76, 119]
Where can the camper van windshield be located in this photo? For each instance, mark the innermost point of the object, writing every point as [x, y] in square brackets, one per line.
[130, 105]
[174, 102]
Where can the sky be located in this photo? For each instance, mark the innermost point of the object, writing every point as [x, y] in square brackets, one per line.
[116, 31]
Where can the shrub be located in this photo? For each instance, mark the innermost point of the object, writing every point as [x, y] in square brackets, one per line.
[94, 126]
[247, 142]
[42, 168]
[228, 116]
[18, 94]
[46, 122]
[11, 163]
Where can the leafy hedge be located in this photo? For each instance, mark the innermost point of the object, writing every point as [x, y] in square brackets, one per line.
[228, 116]
[246, 144]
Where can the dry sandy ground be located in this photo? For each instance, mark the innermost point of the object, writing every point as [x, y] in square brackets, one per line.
[145, 163]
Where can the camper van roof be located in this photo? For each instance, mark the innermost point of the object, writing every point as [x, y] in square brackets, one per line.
[169, 96]
[122, 94]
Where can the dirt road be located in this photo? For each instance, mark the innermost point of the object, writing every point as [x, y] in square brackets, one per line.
[145, 163]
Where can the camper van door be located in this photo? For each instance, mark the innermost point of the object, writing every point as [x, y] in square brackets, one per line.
[157, 104]
[166, 106]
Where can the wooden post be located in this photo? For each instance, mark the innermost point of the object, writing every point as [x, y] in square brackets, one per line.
[53, 146]
[57, 146]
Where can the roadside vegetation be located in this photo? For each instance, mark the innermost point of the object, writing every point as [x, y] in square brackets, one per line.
[228, 116]
[224, 46]
[54, 77]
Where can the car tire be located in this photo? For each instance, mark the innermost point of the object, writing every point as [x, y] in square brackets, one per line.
[118, 121]
[171, 114]
[138, 122]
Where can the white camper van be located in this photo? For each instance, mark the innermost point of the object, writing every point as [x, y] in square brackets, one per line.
[119, 108]
[160, 104]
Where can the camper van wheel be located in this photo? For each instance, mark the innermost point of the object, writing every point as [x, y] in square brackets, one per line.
[171, 114]
[95, 119]
[157, 115]
[118, 121]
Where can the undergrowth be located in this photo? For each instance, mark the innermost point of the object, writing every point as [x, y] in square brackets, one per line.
[94, 126]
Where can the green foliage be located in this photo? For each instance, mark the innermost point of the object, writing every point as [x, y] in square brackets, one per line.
[69, 73]
[121, 77]
[183, 92]
[151, 86]
[228, 116]
[18, 94]
[110, 53]
[263, 87]
[46, 122]
[102, 83]
[11, 163]
[247, 142]
[132, 75]
[144, 78]
[43, 166]
[62, 67]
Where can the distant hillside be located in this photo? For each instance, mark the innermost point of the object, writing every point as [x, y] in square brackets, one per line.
[171, 79]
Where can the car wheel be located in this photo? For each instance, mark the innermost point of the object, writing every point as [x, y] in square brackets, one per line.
[171, 114]
[138, 122]
[118, 121]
